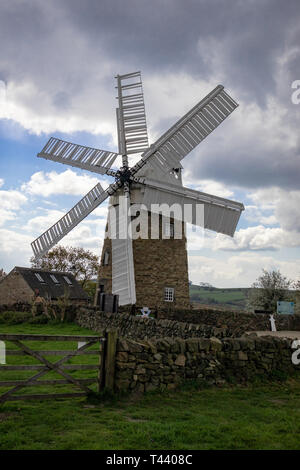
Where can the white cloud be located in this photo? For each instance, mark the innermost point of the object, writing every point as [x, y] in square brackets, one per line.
[257, 238]
[6, 215]
[68, 182]
[12, 242]
[41, 223]
[12, 200]
[207, 186]
[255, 214]
[287, 210]
[83, 236]
[284, 203]
[239, 270]
[159, 92]
[101, 211]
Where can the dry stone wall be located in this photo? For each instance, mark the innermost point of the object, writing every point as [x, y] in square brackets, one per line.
[161, 354]
[161, 364]
[204, 323]
[135, 327]
[236, 323]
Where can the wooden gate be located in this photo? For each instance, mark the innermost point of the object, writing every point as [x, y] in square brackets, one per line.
[104, 368]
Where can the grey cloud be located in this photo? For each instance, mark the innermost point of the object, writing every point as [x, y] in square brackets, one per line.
[245, 167]
[71, 49]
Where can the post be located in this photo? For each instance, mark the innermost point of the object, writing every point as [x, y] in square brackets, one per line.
[101, 376]
[110, 357]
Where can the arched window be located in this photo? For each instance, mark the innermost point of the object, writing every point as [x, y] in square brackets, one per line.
[106, 258]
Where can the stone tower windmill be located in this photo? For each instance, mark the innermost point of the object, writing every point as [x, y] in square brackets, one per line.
[144, 257]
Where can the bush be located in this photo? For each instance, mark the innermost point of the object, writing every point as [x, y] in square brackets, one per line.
[10, 317]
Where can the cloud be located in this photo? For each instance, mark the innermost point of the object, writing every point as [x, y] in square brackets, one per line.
[12, 199]
[239, 270]
[41, 223]
[13, 242]
[211, 187]
[6, 215]
[85, 236]
[183, 53]
[252, 239]
[285, 205]
[68, 182]
[256, 239]
[255, 214]
[10, 202]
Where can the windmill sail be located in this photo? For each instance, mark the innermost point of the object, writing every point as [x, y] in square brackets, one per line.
[220, 215]
[87, 158]
[63, 226]
[131, 117]
[123, 281]
[166, 153]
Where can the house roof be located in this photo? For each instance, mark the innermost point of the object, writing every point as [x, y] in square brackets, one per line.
[53, 284]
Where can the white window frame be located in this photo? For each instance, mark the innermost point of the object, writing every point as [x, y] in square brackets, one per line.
[68, 281]
[169, 229]
[39, 278]
[106, 258]
[169, 294]
[54, 279]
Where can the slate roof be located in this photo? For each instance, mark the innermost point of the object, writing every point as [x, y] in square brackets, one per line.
[50, 288]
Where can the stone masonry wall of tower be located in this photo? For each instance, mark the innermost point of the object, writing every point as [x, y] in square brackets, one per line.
[158, 263]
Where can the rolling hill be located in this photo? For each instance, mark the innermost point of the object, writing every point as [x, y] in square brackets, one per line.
[234, 298]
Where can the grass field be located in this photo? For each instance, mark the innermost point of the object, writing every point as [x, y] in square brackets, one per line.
[230, 298]
[261, 416]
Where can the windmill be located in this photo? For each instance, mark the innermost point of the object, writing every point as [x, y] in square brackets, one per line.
[154, 179]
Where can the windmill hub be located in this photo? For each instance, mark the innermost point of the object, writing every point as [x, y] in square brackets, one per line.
[124, 175]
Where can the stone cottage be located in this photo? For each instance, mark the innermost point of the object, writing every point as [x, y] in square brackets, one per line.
[24, 284]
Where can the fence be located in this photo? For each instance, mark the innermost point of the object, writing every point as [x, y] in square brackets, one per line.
[105, 366]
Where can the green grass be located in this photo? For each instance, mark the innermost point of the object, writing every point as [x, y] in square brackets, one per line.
[261, 416]
[230, 298]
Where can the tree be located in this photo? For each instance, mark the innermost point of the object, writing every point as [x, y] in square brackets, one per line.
[83, 264]
[269, 288]
[2, 274]
[296, 287]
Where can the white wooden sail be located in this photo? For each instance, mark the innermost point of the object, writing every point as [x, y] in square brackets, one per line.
[131, 117]
[63, 226]
[165, 154]
[220, 215]
[86, 158]
[123, 280]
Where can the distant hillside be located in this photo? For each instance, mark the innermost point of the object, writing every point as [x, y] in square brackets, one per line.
[234, 298]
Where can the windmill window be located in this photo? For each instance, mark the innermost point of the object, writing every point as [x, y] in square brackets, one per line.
[106, 258]
[39, 277]
[67, 280]
[169, 294]
[54, 279]
[169, 229]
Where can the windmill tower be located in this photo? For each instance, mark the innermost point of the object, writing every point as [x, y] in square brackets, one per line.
[150, 268]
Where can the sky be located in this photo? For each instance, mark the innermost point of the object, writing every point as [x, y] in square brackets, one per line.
[58, 60]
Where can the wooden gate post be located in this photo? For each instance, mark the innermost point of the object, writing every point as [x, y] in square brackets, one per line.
[110, 358]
